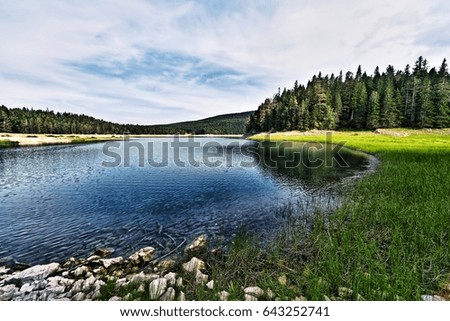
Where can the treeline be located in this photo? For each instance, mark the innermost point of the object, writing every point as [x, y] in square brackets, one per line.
[395, 98]
[30, 121]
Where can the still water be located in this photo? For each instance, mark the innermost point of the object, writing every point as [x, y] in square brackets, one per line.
[63, 201]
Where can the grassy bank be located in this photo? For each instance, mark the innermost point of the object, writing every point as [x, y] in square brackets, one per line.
[8, 144]
[391, 238]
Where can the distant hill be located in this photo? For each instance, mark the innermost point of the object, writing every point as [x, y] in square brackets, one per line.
[31, 121]
[222, 124]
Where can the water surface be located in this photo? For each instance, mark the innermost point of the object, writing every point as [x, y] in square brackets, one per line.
[62, 201]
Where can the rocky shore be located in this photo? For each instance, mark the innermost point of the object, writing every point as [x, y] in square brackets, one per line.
[141, 276]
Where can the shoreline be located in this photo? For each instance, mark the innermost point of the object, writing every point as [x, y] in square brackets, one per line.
[13, 140]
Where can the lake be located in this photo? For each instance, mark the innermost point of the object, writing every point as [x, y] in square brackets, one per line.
[67, 200]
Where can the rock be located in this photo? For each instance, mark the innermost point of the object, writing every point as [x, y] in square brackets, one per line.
[4, 270]
[40, 285]
[7, 292]
[157, 288]
[121, 283]
[96, 295]
[27, 288]
[432, 298]
[104, 252]
[93, 258]
[193, 265]
[180, 282]
[79, 272]
[201, 278]
[100, 271]
[77, 287]
[169, 295]
[108, 263]
[359, 297]
[197, 246]
[141, 288]
[248, 297]
[255, 291]
[80, 296]
[142, 256]
[128, 297]
[37, 272]
[89, 283]
[270, 294]
[224, 295]
[182, 296]
[115, 298]
[166, 265]
[142, 277]
[69, 263]
[171, 278]
[282, 280]
[300, 298]
[345, 293]
[210, 285]
[326, 298]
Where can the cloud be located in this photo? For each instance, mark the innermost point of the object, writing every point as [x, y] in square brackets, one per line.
[162, 61]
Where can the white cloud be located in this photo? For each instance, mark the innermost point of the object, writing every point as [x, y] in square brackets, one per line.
[260, 45]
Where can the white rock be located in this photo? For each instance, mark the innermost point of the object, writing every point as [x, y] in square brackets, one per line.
[4, 270]
[89, 283]
[142, 256]
[197, 245]
[115, 298]
[7, 292]
[157, 288]
[77, 287]
[248, 297]
[80, 271]
[300, 298]
[121, 282]
[166, 265]
[169, 295]
[210, 285]
[27, 288]
[201, 278]
[345, 292]
[141, 288]
[224, 295]
[107, 263]
[37, 272]
[142, 277]
[171, 278]
[182, 296]
[193, 265]
[432, 298]
[80, 296]
[180, 282]
[255, 291]
[93, 258]
[270, 294]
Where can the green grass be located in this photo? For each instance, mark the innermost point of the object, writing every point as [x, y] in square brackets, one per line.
[391, 239]
[7, 144]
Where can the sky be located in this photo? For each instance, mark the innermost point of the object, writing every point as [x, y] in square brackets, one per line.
[155, 61]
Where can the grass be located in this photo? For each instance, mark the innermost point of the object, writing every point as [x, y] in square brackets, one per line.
[390, 241]
[7, 144]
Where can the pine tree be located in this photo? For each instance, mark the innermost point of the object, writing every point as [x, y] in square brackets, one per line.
[425, 111]
[373, 117]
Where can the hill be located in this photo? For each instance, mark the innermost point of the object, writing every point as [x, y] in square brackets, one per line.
[31, 121]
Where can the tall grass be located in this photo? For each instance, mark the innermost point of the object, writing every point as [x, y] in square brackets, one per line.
[390, 240]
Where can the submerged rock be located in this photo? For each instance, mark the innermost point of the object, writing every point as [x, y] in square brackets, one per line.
[197, 246]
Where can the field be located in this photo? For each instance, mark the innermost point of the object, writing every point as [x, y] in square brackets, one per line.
[390, 241]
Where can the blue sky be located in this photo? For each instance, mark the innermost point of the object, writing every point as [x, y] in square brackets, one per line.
[147, 61]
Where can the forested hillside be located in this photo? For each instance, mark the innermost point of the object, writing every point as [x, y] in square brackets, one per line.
[413, 97]
[24, 120]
